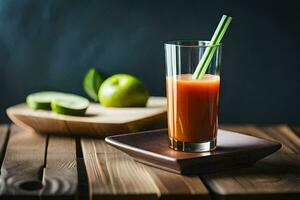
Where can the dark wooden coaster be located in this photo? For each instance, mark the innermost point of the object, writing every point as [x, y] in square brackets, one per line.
[234, 150]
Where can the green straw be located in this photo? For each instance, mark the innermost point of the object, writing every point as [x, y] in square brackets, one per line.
[211, 49]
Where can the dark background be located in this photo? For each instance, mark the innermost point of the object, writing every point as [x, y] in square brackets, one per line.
[49, 45]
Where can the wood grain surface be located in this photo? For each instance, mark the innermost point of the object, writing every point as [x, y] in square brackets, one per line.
[99, 120]
[296, 130]
[114, 175]
[38, 166]
[4, 134]
[174, 186]
[282, 133]
[275, 177]
[60, 173]
[22, 165]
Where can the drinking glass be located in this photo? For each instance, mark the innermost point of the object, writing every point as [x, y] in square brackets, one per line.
[192, 104]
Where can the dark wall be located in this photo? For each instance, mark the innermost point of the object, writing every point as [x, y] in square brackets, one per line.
[49, 45]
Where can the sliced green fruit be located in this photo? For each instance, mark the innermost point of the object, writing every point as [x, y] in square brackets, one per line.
[59, 102]
[42, 100]
[70, 104]
[92, 82]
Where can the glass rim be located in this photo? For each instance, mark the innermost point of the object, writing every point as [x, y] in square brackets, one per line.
[190, 43]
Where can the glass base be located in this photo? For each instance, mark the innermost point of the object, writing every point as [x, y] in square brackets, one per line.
[193, 146]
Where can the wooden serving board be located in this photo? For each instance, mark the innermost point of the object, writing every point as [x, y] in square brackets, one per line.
[234, 150]
[98, 121]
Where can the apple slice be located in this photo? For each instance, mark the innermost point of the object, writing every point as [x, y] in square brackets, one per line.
[70, 104]
[41, 100]
[59, 102]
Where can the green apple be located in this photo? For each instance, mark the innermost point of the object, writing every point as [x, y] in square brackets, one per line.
[123, 90]
[92, 82]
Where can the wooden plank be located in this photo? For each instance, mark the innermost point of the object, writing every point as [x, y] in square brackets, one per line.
[282, 133]
[60, 177]
[3, 141]
[275, 177]
[113, 174]
[174, 186]
[22, 165]
[296, 130]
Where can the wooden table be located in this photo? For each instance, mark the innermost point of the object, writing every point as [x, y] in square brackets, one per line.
[36, 166]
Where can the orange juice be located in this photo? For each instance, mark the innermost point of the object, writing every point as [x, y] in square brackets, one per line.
[192, 107]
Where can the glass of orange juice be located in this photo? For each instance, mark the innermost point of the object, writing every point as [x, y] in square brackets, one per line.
[192, 104]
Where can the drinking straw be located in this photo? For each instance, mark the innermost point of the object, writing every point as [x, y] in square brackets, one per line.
[212, 46]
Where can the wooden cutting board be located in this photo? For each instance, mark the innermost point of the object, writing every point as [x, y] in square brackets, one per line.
[99, 120]
[233, 150]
